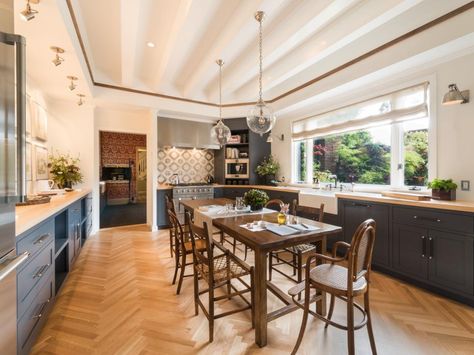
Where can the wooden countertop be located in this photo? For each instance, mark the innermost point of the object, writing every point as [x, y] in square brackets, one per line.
[28, 217]
[462, 206]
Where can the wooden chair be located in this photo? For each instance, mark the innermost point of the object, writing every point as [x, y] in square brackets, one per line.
[183, 248]
[342, 282]
[218, 271]
[297, 252]
[170, 207]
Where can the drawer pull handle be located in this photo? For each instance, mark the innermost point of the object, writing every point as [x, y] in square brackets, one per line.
[42, 238]
[361, 205]
[41, 271]
[423, 246]
[431, 248]
[421, 218]
[42, 308]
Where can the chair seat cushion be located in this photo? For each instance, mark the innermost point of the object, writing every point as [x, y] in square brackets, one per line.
[335, 276]
[220, 269]
[200, 245]
[304, 248]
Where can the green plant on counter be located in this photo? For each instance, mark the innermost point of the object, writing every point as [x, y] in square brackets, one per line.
[64, 170]
[440, 184]
[321, 176]
[269, 166]
[256, 199]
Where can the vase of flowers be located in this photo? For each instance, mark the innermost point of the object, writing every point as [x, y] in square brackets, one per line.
[64, 170]
[268, 169]
[256, 199]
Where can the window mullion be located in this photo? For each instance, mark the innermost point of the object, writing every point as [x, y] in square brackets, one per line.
[309, 161]
[397, 161]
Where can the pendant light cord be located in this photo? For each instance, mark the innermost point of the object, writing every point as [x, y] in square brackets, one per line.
[260, 59]
[220, 92]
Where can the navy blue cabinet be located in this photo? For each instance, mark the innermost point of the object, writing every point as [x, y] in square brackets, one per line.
[162, 217]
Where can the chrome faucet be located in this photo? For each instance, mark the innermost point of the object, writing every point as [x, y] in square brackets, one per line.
[174, 179]
[334, 176]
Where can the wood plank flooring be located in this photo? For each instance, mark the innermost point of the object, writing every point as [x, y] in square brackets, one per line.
[119, 300]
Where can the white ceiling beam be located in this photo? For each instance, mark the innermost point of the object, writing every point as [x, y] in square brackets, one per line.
[164, 54]
[130, 19]
[282, 36]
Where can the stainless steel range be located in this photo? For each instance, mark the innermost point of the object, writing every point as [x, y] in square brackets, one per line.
[192, 191]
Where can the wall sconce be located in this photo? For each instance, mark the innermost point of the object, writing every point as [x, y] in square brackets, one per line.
[280, 137]
[57, 59]
[28, 13]
[72, 85]
[454, 96]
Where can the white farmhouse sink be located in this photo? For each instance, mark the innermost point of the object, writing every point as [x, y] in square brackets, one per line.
[313, 198]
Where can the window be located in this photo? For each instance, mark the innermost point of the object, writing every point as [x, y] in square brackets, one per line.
[368, 143]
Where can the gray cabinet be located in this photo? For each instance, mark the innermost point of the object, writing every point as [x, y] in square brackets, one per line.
[353, 213]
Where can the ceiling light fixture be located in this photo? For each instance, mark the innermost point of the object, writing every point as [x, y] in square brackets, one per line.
[150, 44]
[72, 85]
[28, 13]
[57, 59]
[261, 118]
[454, 96]
[220, 133]
[81, 99]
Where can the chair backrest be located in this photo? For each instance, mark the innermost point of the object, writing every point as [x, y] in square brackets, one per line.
[313, 213]
[169, 204]
[177, 228]
[360, 252]
[201, 233]
[274, 203]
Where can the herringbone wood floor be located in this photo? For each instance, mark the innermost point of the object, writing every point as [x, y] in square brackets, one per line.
[118, 300]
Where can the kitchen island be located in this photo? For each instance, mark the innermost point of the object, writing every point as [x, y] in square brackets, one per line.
[52, 236]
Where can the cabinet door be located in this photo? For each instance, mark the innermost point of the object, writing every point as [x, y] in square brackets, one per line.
[451, 261]
[356, 212]
[410, 250]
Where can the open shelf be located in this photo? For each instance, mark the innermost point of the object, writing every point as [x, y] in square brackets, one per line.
[61, 269]
[59, 245]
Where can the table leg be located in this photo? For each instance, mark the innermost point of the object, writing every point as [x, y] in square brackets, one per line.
[321, 305]
[260, 298]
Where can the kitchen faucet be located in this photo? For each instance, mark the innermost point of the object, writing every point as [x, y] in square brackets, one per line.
[334, 176]
[174, 179]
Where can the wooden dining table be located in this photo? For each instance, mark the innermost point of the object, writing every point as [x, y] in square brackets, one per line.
[262, 243]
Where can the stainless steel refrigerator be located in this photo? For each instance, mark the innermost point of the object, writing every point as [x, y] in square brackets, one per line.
[12, 179]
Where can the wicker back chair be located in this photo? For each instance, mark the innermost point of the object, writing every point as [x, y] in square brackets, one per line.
[298, 252]
[170, 207]
[342, 282]
[218, 271]
[183, 247]
[274, 203]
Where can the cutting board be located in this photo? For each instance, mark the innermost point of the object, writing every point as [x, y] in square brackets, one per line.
[406, 196]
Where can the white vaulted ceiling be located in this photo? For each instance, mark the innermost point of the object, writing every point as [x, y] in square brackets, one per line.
[302, 39]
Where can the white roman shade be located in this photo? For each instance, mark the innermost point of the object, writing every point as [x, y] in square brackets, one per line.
[401, 105]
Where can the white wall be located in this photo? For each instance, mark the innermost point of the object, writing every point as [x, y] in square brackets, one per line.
[129, 121]
[455, 124]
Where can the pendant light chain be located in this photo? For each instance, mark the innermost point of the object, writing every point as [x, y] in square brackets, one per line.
[260, 60]
[220, 90]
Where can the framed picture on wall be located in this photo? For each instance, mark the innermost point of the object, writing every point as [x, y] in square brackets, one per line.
[40, 123]
[28, 162]
[41, 162]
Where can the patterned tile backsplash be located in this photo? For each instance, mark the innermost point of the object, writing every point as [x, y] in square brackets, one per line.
[192, 165]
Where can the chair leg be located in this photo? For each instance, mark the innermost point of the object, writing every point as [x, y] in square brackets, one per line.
[176, 267]
[234, 245]
[245, 256]
[299, 266]
[294, 265]
[211, 313]
[171, 245]
[304, 320]
[181, 274]
[196, 292]
[252, 299]
[331, 309]
[270, 265]
[350, 326]
[369, 323]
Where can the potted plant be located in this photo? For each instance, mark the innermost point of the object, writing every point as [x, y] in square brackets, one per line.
[443, 189]
[256, 199]
[64, 170]
[268, 169]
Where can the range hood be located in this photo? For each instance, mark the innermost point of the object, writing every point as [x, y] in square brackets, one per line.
[179, 133]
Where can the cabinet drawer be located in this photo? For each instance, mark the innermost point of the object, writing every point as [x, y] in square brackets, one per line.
[32, 275]
[36, 240]
[434, 219]
[75, 210]
[30, 323]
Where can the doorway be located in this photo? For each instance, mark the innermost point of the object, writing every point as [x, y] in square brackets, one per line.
[123, 176]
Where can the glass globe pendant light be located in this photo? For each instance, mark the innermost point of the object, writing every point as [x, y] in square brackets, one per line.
[261, 118]
[220, 133]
